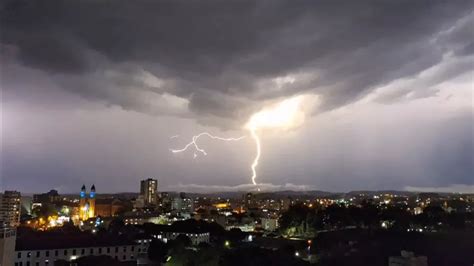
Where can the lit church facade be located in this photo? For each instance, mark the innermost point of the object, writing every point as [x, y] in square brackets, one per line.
[87, 204]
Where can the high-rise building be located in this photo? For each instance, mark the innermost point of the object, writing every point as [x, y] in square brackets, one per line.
[148, 190]
[10, 206]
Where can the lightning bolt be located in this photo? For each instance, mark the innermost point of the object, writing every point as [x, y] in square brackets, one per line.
[281, 116]
[253, 133]
[199, 149]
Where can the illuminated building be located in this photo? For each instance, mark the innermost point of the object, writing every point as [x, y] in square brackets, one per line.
[166, 233]
[269, 224]
[87, 204]
[148, 189]
[10, 205]
[182, 204]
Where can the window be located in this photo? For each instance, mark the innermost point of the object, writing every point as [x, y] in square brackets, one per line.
[100, 250]
[92, 251]
[19, 255]
[124, 257]
[37, 254]
[56, 253]
[65, 252]
[27, 263]
[28, 255]
[124, 249]
[47, 253]
[83, 251]
[133, 248]
[74, 252]
[139, 250]
[37, 264]
[108, 250]
[116, 249]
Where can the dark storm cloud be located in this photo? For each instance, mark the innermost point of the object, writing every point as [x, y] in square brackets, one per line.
[224, 56]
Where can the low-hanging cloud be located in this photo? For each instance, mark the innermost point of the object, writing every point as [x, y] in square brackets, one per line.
[237, 188]
[217, 61]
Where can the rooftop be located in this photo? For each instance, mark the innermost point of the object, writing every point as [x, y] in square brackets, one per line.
[61, 240]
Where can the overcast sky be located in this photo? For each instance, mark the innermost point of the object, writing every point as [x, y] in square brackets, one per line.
[92, 91]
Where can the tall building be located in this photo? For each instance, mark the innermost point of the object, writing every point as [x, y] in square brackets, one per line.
[92, 202]
[10, 206]
[87, 204]
[148, 190]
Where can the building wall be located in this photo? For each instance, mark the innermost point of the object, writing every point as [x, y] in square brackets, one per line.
[47, 257]
[7, 246]
[107, 210]
[195, 238]
[269, 224]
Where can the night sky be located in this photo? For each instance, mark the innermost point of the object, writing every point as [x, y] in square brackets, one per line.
[92, 92]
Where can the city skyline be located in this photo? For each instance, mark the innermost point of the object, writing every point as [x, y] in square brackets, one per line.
[89, 98]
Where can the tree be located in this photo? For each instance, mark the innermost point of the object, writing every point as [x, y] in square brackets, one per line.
[116, 225]
[157, 251]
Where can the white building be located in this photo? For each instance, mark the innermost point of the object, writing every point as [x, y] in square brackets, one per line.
[196, 238]
[38, 254]
[7, 246]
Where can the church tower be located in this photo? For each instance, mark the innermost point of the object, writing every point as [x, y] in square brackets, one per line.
[92, 202]
[83, 204]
